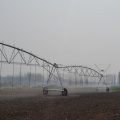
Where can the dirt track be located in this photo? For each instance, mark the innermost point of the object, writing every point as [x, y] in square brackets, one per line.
[80, 106]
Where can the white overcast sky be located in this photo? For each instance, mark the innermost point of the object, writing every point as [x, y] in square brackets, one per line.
[79, 32]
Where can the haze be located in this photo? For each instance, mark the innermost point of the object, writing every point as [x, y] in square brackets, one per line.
[64, 31]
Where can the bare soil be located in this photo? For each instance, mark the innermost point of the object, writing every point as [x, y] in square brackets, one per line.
[32, 105]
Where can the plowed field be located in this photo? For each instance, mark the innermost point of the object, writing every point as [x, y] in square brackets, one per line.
[75, 106]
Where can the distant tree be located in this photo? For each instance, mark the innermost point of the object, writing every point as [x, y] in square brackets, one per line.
[119, 78]
[81, 81]
[86, 81]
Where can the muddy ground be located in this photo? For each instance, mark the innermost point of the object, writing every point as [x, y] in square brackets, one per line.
[78, 105]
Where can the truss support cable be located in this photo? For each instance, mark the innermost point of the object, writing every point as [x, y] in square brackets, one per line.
[59, 77]
[21, 73]
[30, 76]
[35, 77]
[74, 79]
[100, 80]
[4, 53]
[50, 74]
[48, 69]
[13, 74]
[43, 72]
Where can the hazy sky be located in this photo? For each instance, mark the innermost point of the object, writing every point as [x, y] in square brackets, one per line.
[64, 31]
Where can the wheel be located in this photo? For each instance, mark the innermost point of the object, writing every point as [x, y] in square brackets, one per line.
[45, 92]
[107, 89]
[65, 92]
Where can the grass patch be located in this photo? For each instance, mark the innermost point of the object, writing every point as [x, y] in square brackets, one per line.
[115, 88]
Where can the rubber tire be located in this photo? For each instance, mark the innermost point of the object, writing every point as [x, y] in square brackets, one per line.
[107, 89]
[65, 92]
[45, 92]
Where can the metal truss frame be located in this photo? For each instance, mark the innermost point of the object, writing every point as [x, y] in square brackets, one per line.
[48, 66]
[81, 71]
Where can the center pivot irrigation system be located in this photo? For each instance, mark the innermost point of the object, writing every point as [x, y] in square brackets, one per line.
[16, 56]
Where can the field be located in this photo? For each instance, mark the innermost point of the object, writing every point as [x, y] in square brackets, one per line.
[80, 104]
